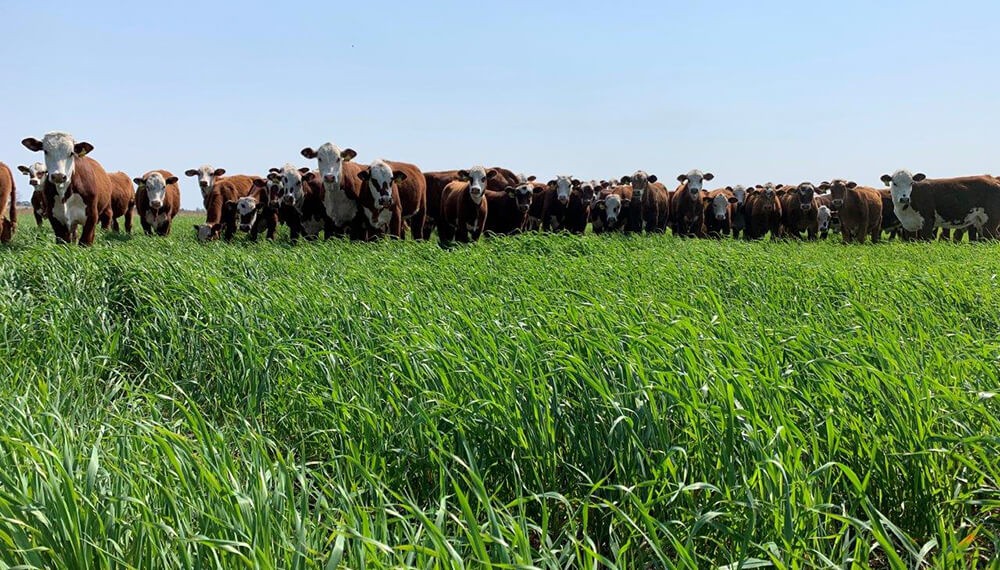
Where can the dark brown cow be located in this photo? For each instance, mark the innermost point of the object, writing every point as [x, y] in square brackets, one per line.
[260, 211]
[464, 207]
[763, 212]
[650, 204]
[859, 209]
[8, 204]
[922, 204]
[157, 201]
[77, 189]
[341, 189]
[720, 206]
[302, 205]
[437, 180]
[122, 202]
[562, 206]
[611, 209]
[381, 198]
[509, 208]
[799, 211]
[220, 218]
[687, 206]
[36, 179]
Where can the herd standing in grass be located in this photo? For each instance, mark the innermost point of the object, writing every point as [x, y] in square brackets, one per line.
[385, 198]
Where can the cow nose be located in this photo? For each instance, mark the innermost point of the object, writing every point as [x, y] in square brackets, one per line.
[33, 183]
[904, 200]
[58, 177]
[805, 206]
[838, 203]
[563, 199]
[245, 227]
[329, 178]
[522, 207]
[385, 201]
[288, 199]
[612, 219]
[720, 217]
[155, 204]
[203, 183]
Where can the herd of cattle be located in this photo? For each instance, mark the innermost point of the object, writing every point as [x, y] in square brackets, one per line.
[343, 198]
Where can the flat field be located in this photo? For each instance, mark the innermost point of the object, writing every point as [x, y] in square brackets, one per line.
[546, 401]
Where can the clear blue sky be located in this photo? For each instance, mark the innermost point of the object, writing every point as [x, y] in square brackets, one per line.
[780, 91]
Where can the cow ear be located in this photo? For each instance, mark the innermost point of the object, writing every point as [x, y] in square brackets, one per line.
[274, 170]
[510, 190]
[399, 176]
[138, 182]
[652, 178]
[463, 175]
[575, 182]
[309, 175]
[626, 180]
[304, 169]
[852, 184]
[220, 172]
[551, 184]
[706, 200]
[779, 193]
[886, 179]
[734, 200]
[824, 186]
[708, 176]
[32, 144]
[531, 178]
[171, 180]
[82, 149]
[492, 173]
[348, 154]
[364, 175]
[259, 183]
[308, 152]
[538, 189]
[24, 169]
[729, 188]
[682, 178]
[191, 172]
[919, 177]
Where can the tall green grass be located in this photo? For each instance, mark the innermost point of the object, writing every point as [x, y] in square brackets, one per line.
[541, 401]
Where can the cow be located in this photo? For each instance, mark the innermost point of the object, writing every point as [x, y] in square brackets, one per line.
[464, 207]
[687, 208]
[509, 209]
[302, 207]
[157, 201]
[739, 217]
[261, 209]
[122, 203]
[859, 209]
[379, 200]
[8, 204]
[720, 205]
[823, 218]
[437, 180]
[562, 206]
[763, 212]
[220, 213]
[341, 188]
[922, 204]
[650, 204]
[36, 179]
[798, 211]
[610, 209]
[77, 190]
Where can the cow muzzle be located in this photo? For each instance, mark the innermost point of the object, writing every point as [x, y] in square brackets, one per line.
[33, 183]
[564, 200]
[288, 200]
[837, 204]
[720, 217]
[385, 201]
[203, 184]
[244, 227]
[904, 200]
[58, 177]
[155, 204]
[522, 207]
[329, 178]
[805, 207]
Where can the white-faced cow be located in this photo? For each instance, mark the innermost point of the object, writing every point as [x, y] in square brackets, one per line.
[464, 207]
[393, 192]
[650, 206]
[718, 216]
[78, 189]
[687, 208]
[341, 187]
[157, 200]
[302, 202]
[509, 208]
[922, 204]
[36, 179]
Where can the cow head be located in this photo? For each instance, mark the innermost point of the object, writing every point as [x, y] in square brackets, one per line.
[838, 190]
[207, 232]
[588, 192]
[379, 179]
[292, 181]
[36, 175]
[61, 152]
[739, 192]
[640, 181]
[523, 193]
[695, 180]
[563, 186]
[247, 208]
[901, 185]
[823, 215]
[477, 177]
[609, 209]
[331, 161]
[718, 205]
[206, 177]
[769, 190]
[805, 192]
[156, 188]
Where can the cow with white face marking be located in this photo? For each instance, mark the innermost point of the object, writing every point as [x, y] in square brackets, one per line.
[78, 189]
[302, 205]
[206, 176]
[739, 221]
[923, 204]
[650, 206]
[687, 208]
[798, 211]
[393, 193]
[858, 208]
[341, 186]
[509, 208]
[496, 188]
[260, 211]
[610, 209]
[464, 208]
[823, 217]
[36, 179]
[560, 194]
[157, 200]
[8, 204]
[718, 214]
[220, 193]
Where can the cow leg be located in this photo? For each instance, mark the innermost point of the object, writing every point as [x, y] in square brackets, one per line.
[105, 218]
[89, 227]
[39, 219]
[417, 222]
[145, 226]
[128, 218]
[114, 225]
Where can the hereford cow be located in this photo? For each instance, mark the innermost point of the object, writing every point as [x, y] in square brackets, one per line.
[610, 209]
[260, 211]
[302, 206]
[437, 180]
[739, 216]
[798, 211]
[687, 208]
[36, 179]
[122, 203]
[220, 215]
[720, 205]
[157, 201]
[341, 188]
[78, 189]
[509, 209]
[650, 204]
[859, 209]
[8, 204]
[922, 204]
[763, 212]
[823, 218]
[560, 198]
[464, 207]
[380, 200]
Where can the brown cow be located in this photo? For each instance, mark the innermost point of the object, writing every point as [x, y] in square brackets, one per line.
[36, 179]
[261, 209]
[78, 189]
[509, 208]
[464, 207]
[302, 206]
[922, 204]
[611, 208]
[341, 188]
[859, 209]
[122, 202]
[799, 211]
[562, 206]
[650, 205]
[720, 205]
[437, 180]
[381, 198]
[687, 206]
[157, 201]
[220, 216]
[763, 212]
[8, 204]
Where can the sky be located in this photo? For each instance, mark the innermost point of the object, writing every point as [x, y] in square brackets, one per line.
[751, 91]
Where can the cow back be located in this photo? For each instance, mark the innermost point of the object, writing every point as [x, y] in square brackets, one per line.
[122, 193]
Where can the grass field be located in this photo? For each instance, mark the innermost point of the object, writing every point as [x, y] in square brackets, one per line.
[546, 401]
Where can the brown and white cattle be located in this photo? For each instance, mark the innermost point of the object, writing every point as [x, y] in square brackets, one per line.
[157, 201]
[610, 210]
[650, 205]
[687, 208]
[509, 208]
[220, 215]
[720, 205]
[341, 187]
[78, 189]
[122, 203]
[799, 210]
[36, 179]
[260, 210]
[437, 180]
[562, 205]
[859, 209]
[921, 204]
[302, 206]
[824, 216]
[739, 215]
[763, 212]
[464, 207]
[392, 192]
[8, 204]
